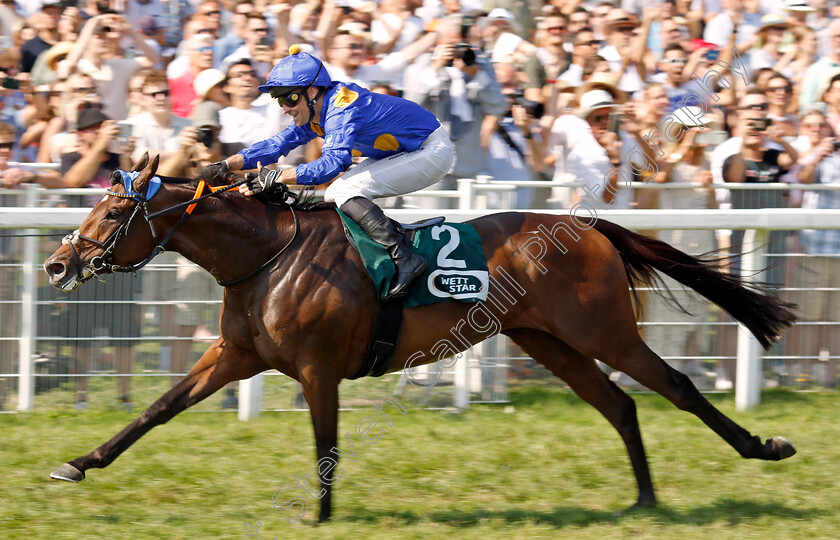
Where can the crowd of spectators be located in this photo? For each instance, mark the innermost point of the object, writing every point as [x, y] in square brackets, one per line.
[564, 90]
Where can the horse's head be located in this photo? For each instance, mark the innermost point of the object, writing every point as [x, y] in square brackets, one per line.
[114, 236]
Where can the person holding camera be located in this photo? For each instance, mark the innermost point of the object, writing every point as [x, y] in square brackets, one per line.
[257, 48]
[757, 162]
[515, 153]
[458, 86]
[98, 53]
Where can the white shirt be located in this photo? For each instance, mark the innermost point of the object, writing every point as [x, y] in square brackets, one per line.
[582, 159]
[153, 137]
[263, 120]
[112, 82]
[410, 32]
[390, 70]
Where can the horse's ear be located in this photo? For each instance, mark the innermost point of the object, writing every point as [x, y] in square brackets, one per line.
[116, 178]
[154, 165]
[140, 165]
[142, 181]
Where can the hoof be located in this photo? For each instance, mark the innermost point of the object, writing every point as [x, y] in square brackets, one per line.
[68, 473]
[780, 448]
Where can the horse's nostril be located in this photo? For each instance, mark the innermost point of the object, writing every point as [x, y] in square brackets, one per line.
[55, 269]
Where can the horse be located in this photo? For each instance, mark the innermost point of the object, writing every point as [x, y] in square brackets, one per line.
[297, 299]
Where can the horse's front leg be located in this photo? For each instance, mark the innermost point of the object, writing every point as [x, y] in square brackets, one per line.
[321, 393]
[221, 364]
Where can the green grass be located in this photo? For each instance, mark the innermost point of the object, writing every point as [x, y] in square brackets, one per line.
[547, 467]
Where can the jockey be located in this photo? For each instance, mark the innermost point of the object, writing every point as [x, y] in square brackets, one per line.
[406, 147]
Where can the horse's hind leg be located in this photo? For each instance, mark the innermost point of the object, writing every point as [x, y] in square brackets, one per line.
[221, 364]
[639, 362]
[582, 374]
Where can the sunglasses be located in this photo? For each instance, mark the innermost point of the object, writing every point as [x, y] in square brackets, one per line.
[777, 88]
[7, 145]
[237, 74]
[756, 107]
[86, 90]
[209, 13]
[556, 29]
[164, 93]
[287, 99]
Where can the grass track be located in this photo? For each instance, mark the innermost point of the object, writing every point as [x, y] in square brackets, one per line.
[553, 468]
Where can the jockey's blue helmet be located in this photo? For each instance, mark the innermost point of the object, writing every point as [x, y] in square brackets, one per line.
[297, 71]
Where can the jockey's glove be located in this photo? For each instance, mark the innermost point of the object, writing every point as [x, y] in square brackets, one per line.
[266, 180]
[220, 169]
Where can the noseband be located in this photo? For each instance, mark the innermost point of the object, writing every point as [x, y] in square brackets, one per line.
[104, 263]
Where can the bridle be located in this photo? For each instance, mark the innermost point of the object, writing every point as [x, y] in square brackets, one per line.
[103, 264]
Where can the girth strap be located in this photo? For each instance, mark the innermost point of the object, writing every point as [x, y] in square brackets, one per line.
[384, 337]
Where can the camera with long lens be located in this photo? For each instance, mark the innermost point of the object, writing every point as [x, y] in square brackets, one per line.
[205, 136]
[463, 49]
[534, 108]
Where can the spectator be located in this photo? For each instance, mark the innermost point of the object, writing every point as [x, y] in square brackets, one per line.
[770, 33]
[156, 130]
[821, 270]
[396, 25]
[137, 10]
[46, 24]
[520, 13]
[466, 99]
[551, 51]
[257, 48]
[589, 151]
[251, 117]
[235, 38]
[183, 96]
[349, 51]
[100, 309]
[99, 55]
[585, 46]
[514, 152]
[829, 93]
[625, 50]
[579, 19]
[779, 92]
[684, 335]
[811, 80]
[209, 89]
[734, 18]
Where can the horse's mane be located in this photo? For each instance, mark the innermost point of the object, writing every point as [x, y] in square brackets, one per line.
[303, 200]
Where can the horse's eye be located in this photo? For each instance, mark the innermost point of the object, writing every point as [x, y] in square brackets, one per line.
[113, 215]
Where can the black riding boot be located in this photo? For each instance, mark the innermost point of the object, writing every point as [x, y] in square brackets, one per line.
[383, 230]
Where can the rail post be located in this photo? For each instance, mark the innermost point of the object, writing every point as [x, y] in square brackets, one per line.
[749, 376]
[28, 297]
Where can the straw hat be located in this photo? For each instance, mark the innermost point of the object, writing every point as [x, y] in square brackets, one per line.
[824, 83]
[602, 81]
[617, 18]
[593, 100]
[206, 80]
[772, 20]
[798, 5]
[57, 52]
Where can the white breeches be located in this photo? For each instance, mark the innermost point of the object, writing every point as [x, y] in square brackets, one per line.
[398, 174]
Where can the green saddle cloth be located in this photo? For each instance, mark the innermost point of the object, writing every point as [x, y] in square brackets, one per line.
[457, 268]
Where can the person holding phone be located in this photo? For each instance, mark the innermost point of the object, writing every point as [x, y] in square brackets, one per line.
[257, 48]
[589, 147]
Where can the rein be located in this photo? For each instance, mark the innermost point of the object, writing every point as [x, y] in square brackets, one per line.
[102, 263]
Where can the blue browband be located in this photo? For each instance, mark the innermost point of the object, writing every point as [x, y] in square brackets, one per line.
[128, 178]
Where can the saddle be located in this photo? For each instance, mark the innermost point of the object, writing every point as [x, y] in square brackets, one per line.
[387, 322]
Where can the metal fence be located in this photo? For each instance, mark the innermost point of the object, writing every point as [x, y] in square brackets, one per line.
[124, 341]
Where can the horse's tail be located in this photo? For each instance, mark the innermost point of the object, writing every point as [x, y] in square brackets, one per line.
[751, 304]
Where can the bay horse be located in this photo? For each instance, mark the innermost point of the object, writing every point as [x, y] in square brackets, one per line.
[297, 299]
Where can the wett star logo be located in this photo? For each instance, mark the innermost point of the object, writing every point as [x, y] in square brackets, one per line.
[458, 283]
